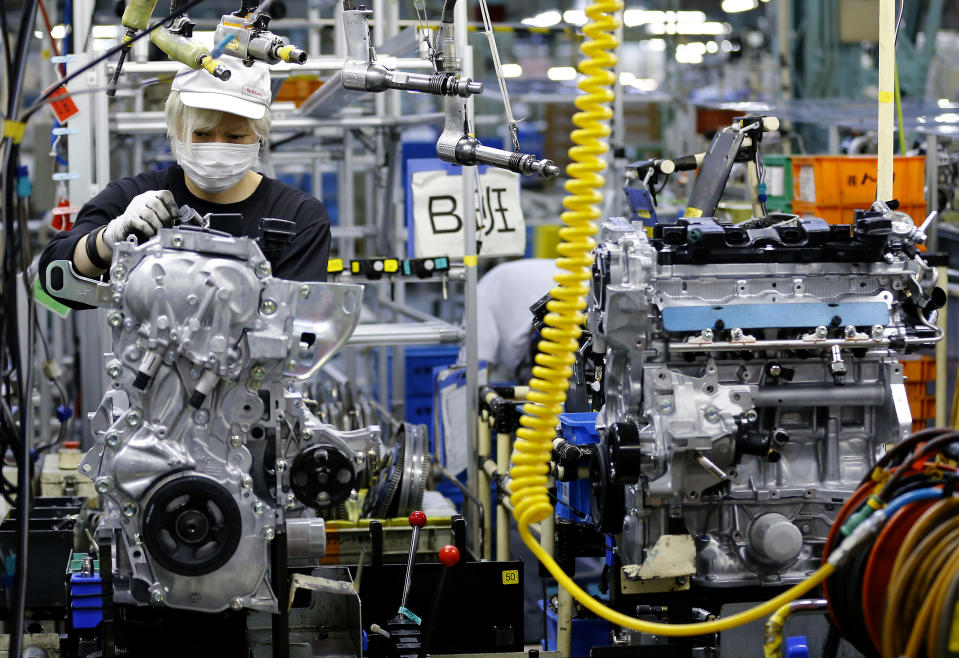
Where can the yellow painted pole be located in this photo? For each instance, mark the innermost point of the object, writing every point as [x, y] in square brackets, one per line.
[887, 96]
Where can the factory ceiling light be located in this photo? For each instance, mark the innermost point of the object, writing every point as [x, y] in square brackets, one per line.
[575, 17]
[707, 28]
[544, 19]
[558, 73]
[734, 6]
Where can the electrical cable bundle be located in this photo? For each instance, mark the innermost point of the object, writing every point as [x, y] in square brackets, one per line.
[898, 596]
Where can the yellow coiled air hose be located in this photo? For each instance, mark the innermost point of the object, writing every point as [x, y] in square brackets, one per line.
[553, 366]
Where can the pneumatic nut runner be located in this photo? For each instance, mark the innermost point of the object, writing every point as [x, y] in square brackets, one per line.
[407, 638]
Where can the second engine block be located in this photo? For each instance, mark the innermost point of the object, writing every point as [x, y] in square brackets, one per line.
[751, 379]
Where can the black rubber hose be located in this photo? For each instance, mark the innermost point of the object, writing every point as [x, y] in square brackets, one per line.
[901, 450]
[448, 11]
[932, 446]
[24, 38]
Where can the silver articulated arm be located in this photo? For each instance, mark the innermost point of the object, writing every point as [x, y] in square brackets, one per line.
[457, 146]
[361, 71]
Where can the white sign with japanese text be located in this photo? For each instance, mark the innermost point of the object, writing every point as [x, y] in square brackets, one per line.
[438, 214]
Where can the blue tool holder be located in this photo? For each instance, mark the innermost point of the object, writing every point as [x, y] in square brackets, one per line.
[86, 600]
[578, 429]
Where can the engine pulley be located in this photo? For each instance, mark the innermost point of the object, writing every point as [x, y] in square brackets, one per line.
[322, 476]
[191, 526]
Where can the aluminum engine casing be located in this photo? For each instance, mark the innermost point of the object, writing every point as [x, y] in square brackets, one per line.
[195, 437]
[710, 429]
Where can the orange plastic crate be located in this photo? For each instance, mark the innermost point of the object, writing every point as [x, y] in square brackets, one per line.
[915, 407]
[922, 406]
[915, 390]
[833, 186]
[921, 369]
[297, 88]
[850, 180]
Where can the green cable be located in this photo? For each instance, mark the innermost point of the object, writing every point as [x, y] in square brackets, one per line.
[902, 129]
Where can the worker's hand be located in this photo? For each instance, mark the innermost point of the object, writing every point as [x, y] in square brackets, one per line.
[146, 214]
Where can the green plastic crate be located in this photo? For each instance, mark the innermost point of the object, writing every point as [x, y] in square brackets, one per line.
[779, 182]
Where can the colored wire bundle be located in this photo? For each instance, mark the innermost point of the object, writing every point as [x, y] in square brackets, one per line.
[897, 597]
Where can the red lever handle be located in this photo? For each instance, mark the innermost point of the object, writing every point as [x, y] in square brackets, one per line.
[449, 555]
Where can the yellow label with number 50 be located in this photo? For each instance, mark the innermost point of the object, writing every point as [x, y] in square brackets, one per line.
[511, 577]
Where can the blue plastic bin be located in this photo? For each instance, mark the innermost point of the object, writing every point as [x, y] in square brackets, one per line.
[579, 429]
[420, 362]
[419, 410]
[587, 633]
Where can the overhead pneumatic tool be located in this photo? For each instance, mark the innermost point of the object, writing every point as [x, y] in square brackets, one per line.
[176, 41]
[243, 34]
[457, 144]
[362, 72]
[246, 36]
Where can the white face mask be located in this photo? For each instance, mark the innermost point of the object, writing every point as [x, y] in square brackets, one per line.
[216, 166]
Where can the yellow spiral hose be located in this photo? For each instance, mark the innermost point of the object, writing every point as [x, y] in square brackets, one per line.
[553, 365]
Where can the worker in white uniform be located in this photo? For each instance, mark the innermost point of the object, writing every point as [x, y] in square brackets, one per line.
[504, 321]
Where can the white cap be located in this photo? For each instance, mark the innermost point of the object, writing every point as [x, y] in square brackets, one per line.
[247, 92]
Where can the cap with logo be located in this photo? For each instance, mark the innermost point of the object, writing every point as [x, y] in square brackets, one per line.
[247, 92]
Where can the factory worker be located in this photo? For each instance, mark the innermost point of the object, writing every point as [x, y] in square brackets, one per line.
[216, 130]
[505, 323]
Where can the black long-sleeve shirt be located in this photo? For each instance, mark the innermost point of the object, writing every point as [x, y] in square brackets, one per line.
[304, 260]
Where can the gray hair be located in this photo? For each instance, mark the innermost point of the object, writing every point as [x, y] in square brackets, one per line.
[182, 121]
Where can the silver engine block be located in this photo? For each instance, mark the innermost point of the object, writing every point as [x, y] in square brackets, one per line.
[751, 380]
[204, 443]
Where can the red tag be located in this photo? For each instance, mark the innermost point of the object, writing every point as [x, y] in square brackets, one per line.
[62, 220]
[63, 106]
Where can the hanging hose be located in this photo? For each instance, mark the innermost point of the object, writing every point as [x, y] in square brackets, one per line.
[553, 365]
